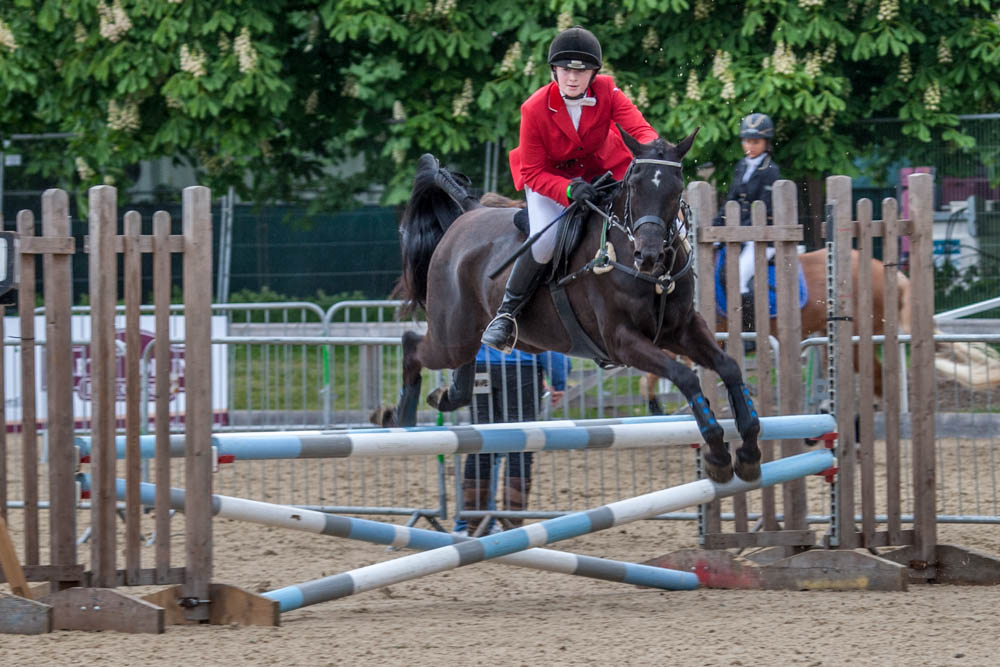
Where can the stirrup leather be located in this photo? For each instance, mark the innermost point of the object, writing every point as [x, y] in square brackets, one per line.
[508, 345]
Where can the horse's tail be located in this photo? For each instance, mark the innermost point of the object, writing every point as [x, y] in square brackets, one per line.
[437, 199]
[975, 366]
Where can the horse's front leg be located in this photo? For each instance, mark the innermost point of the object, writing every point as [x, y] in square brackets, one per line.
[639, 352]
[459, 394]
[698, 343]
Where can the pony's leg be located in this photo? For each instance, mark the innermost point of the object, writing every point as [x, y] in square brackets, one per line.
[459, 394]
[651, 400]
[698, 343]
[639, 352]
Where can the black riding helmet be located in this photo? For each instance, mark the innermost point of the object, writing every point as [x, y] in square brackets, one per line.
[576, 48]
[757, 126]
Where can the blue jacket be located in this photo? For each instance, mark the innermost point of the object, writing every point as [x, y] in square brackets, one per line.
[555, 364]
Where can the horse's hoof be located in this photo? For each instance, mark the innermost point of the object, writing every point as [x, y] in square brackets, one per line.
[720, 474]
[434, 398]
[748, 472]
[747, 464]
[383, 416]
[654, 407]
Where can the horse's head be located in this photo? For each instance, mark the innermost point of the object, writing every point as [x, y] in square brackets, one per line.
[650, 198]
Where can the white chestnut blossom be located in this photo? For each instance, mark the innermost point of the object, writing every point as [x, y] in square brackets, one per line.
[460, 104]
[193, 61]
[114, 21]
[693, 89]
[245, 51]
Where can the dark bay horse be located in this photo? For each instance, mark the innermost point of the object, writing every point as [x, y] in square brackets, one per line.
[451, 243]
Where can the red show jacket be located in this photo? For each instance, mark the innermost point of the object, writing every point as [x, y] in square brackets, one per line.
[552, 152]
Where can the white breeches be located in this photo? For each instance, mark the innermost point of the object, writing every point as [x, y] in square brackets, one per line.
[747, 265]
[542, 211]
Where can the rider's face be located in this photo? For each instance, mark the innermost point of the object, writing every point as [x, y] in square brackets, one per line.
[573, 82]
[753, 147]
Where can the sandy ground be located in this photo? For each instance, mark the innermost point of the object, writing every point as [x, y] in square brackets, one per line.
[491, 613]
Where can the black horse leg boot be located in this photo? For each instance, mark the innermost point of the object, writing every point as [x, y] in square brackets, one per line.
[524, 278]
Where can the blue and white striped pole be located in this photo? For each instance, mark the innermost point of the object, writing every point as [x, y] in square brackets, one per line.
[267, 443]
[310, 521]
[638, 433]
[545, 532]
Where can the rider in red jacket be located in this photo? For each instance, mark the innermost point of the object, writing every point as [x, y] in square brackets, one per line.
[568, 138]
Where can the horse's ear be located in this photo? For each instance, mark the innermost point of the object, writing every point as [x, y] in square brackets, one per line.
[685, 145]
[632, 144]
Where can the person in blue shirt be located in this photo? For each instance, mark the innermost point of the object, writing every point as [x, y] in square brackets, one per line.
[508, 388]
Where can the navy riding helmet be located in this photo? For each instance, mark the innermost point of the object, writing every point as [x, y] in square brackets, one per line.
[576, 48]
[757, 126]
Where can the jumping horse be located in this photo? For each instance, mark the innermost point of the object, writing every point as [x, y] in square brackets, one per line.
[451, 243]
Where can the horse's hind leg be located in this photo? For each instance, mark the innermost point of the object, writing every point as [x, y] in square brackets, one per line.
[459, 394]
[699, 345]
[405, 412]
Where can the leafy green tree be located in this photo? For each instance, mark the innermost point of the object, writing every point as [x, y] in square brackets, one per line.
[333, 96]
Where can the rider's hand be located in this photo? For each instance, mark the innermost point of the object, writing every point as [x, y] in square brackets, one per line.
[581, 191]
[556, 396]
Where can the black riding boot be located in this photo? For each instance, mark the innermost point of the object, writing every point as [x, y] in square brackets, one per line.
[524, 278]
[748, 324]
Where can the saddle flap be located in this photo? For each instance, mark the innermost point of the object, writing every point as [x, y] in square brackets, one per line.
[568, 236]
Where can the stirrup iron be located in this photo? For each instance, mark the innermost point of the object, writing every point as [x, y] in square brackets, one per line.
[511, 341]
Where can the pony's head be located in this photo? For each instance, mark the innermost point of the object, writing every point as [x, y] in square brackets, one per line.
[651, 197]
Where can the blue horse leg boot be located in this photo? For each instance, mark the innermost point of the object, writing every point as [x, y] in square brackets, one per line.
[501, 333]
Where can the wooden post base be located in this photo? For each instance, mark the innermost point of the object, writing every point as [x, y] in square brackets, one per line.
[955, 565]
[812, 570]
[21, 616]
[230, 604]
[103, 609]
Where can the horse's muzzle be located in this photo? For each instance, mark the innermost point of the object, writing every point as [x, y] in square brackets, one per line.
[646, 261]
